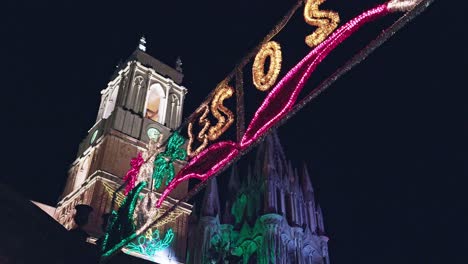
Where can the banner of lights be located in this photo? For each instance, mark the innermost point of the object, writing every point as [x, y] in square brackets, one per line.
[208, 142]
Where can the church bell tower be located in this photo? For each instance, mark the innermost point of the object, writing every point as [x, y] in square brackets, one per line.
[142, 102]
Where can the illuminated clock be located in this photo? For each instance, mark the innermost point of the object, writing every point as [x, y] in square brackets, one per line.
[93, 137]
[153, 133]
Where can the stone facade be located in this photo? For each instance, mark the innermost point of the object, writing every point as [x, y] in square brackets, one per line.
[144, 99]
[269, 217]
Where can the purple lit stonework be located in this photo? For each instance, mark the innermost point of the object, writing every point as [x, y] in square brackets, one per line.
[270, 215]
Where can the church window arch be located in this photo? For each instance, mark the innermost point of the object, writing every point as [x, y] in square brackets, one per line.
[155, 102]
[110, 103]
[81, 173]
[173, 118]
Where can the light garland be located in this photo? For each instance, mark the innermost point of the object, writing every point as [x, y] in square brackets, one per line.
[120, 197]
[145, 211]
[207, 133]
[276, 105]
[131, 175]
[240, 113]
[202, 136]
[150, 243]
[223, 92]
[163, 164]
[203, 165]
[121, 226]
[326, 21]
[146, 170]
[282, 98]
[263, 81]
[402, 5]
[230, 150]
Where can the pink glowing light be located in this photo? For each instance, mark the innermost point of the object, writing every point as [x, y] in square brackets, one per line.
[276, 105]
[204, 165]
[283, 96]
[132, 174]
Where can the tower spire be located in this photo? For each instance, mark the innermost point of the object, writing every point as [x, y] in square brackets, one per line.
[234, 184]
[321, 226]
[307, 188]
[210, 206]
[142, 43]
[179, 64]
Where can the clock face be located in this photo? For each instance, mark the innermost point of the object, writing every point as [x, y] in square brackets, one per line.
[93, 137]
[153, 133]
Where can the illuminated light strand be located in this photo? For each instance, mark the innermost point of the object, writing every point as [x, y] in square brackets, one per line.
[146, 170]
[170, 218]
[121, 225]
[247, 58]
[150, 245]
[263, 81]
[163, 164]
[283, 96]
[202, 136]
[387, 33]
[120, 197]
[203, 165]
[402, 5]
[277, 103]
[240, 113]
[131, 175]
[145, 210]
[222, 93]
[326, 21]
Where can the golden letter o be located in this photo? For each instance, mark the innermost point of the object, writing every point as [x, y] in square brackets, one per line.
[261, 80]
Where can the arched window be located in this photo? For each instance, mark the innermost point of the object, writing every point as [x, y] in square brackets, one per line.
[173, 115]
[154, 103]
[82, 172]
[110, 103]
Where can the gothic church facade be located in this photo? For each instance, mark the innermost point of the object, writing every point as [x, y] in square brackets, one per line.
[270, 216]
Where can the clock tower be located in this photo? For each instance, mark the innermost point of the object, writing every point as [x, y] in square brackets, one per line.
[142, 102]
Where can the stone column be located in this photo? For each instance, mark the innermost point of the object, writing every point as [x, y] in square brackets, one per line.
[269, 253]
[208, 226]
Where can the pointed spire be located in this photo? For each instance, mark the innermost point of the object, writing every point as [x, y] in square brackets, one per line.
[142, 43]
[270, 159]
[179, 64]
[228, 218]
[210, 205]
[249, 175]
[306, 183]
[321, 226]
[234, 183]
[291, 181]
[297, 187]
[287, 176]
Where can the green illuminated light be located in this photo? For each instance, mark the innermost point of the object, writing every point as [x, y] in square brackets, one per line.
[93, 137]
[150, 245]
[153, 133]
[163, 164]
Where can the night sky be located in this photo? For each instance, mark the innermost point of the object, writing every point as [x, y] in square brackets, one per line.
[385, 145]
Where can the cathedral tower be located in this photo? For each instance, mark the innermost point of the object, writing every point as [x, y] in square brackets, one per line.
[143, 101]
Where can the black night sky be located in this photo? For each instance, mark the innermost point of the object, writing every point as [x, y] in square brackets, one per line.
[385, 145]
